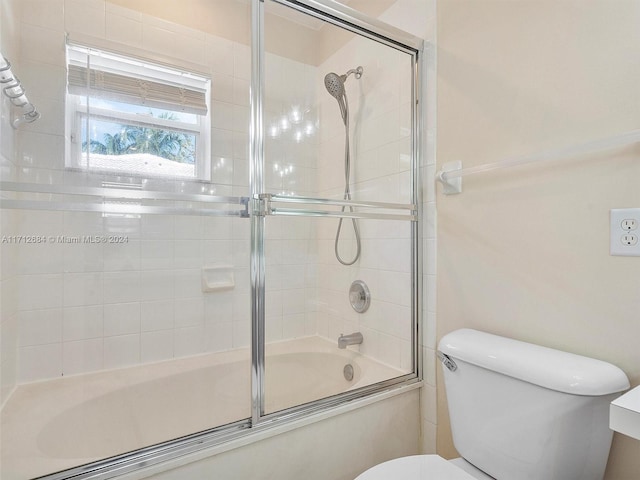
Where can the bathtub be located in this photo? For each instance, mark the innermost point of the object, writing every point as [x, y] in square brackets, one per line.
[58, 424]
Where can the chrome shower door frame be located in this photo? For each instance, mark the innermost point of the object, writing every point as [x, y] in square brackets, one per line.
[351, 20]
[258, 208]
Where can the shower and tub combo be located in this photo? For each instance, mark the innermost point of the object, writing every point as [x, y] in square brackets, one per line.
[87, 418]
[185, 287]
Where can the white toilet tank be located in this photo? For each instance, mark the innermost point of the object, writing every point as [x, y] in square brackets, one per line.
[523, 412]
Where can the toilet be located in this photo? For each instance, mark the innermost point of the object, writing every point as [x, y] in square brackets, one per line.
[518, 411]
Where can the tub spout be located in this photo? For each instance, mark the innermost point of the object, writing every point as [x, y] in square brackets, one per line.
[351, 339]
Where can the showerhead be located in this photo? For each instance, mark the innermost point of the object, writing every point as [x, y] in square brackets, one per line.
[334, 83]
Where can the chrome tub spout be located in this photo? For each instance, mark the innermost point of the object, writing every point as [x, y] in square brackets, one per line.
[351, 339]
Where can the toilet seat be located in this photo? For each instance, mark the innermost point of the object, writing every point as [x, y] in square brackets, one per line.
[417, 467]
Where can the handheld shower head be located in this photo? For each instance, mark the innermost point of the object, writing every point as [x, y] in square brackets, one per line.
[335, 84]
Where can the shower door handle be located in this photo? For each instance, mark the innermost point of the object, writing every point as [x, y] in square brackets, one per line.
[263, 204]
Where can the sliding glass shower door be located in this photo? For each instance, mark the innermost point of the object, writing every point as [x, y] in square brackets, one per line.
[211, 229]
[126, 233]
[340, 210]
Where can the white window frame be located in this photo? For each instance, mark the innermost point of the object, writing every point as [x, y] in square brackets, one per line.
[76, 115]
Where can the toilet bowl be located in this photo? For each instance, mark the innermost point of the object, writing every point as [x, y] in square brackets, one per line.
[424, 467]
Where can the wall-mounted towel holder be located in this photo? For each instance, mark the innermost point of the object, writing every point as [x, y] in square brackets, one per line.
[14, 91]
[450, 176]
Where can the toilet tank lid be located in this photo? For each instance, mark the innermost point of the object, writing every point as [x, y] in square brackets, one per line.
[546, 367]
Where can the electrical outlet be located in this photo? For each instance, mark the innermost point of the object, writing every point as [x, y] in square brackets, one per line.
[624, 234]
[629, 239]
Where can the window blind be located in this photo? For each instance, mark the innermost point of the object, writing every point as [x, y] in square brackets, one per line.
[140, 91]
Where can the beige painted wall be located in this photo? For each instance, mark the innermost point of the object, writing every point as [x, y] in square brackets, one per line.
[525, 252]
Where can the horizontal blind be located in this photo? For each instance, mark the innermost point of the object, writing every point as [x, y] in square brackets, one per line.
[139, 91]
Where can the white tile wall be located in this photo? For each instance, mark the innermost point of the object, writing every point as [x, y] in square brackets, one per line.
[9, 310]
[156, 315]
[40, 291]
[121, 351]
[142, 301]
[42, 45]
[95, 306]
[123, 28]
[81, 289]
[37, 327]
[44, 13]
[156, 345]
[121, 319]
[9, 345]
[219, 336]
[189, 340]
[39, 362]
[380, 113]
[82, 323]
[82, 355]
[86, 17]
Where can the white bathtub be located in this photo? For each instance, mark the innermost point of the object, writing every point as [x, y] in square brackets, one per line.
[58, 424]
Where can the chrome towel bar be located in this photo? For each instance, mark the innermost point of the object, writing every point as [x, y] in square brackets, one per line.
[452, 172]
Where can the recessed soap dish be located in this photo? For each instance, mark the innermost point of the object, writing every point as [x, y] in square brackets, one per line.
[217, 277]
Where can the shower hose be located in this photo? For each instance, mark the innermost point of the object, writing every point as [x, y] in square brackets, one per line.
[344, 110]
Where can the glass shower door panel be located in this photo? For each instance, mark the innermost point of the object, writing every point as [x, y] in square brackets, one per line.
[126, 323]
[338, 111]
[332, 328]
[338, 121]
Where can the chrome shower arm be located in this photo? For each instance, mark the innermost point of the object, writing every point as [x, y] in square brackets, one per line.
[356, 71]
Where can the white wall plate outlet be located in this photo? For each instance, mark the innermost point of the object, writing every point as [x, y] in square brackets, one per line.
[625, 231]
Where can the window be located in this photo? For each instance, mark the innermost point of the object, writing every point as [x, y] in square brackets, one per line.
[130, 116]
